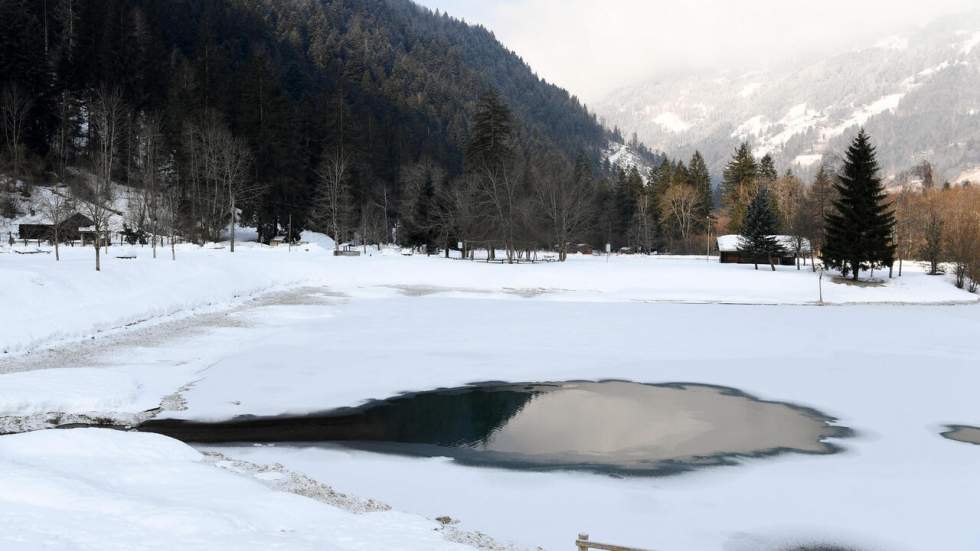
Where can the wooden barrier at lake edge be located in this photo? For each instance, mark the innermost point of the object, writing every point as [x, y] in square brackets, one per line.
[584, 544]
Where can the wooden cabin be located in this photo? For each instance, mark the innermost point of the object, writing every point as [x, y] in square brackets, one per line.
[69, 230]
[729, 253]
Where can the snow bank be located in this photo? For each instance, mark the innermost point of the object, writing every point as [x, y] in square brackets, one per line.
[89, 489]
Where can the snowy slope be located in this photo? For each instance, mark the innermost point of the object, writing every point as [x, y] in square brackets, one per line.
[917, 94]
[626, 157]
[91, 489]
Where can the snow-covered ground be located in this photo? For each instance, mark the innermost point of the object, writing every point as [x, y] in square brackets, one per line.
[47, 302]
[339, 331]
[97, 489]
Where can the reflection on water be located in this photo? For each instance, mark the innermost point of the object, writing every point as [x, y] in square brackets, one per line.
[609, 425]
[963, 433]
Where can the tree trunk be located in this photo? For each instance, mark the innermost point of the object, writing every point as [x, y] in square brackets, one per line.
[98, 259]
[57, 257]
[233, 223]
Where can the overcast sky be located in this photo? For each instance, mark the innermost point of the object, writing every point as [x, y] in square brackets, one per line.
[594, 46]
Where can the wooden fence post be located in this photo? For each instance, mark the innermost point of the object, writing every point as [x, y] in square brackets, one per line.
[582, 542]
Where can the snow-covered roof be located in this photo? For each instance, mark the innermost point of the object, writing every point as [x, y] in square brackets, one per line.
[729, 243]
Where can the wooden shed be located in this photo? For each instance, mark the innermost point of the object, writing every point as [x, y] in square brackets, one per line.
[729, 253]
[67, 230]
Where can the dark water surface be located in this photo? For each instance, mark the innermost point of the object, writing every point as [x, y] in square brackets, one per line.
[612, 426]
[963, 433]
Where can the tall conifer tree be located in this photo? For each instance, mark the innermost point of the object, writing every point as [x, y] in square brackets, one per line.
[859, 230]
[758, 238]
[701, 180]
[738, 180]
[767, 169]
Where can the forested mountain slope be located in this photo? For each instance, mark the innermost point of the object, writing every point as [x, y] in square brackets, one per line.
[393, 82]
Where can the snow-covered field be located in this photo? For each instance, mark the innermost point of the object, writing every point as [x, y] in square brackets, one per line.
[58, 302]
[338, 331]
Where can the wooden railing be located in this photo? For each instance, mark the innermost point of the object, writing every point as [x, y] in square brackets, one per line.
[584, 544]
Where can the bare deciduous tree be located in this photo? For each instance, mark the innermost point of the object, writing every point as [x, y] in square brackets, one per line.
[149, 151]
[218, 168]
[332, 205]
[15, 104]
[790, 199]
[564, 196]
[500, 189]
[231, 170]
[462, 211]
[679, 206]
[57, 206]
[171, 215]
[107, 112]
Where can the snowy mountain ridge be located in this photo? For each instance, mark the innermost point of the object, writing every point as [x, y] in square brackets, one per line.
[917, 94]
[626, 156]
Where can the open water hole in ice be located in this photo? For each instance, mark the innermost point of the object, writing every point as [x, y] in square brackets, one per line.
[618, 427]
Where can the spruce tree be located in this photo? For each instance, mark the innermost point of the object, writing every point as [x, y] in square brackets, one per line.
[422, 232]
[701, 180]
[758, 239]
[493, 125]
[859, 230]
[739, 177]
[767, 169]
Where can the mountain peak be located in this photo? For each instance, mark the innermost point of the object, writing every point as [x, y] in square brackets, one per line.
[916, 93]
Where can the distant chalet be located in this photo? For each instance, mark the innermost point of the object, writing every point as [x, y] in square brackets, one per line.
[729, 253]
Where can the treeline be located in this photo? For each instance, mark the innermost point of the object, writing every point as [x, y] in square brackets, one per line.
[796, 208]
[248, 102]
[941, 225]
[849, 219]
[521, 199]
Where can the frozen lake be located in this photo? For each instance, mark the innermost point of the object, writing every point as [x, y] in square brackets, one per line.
[610, 427]
[898, 375]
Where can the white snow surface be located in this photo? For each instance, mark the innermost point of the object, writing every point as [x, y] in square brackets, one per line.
[47, 302]
[808, 160]
[346, 330]
[97, 489]
[672, 122]
[970, 43]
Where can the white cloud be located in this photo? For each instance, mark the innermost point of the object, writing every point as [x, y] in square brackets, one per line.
[594, 46]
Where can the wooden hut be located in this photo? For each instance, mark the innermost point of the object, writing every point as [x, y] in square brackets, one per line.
[68, 230]
[729, 253]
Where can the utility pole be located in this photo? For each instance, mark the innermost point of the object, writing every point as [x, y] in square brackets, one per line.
[820, 283]
[707, 245]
